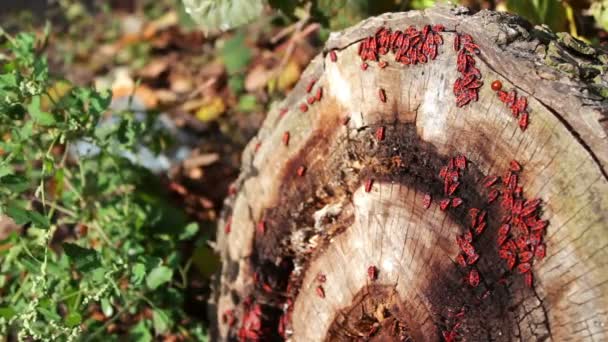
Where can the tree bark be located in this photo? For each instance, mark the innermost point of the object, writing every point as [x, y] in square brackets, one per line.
[302, 210]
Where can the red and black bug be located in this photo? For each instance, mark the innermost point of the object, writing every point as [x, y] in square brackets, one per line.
[228, 226]
[285, 138]
[528, 279]
[319, 94]
[456, 201]
[321, 278]
[301, 170]
[514, 166]
[261, 227]
[320, 291]
[372, 273]
[426, 201]
[310, 85]
[523, 268]
[493, 195]
[380, 133]
[368, 185]
[333, 56]
[382, 95]
[523, 121]
[472, 259]
[444, 203]
[460, 260]
[540, 252]
[473, 278]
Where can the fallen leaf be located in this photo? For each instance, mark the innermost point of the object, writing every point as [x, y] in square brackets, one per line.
[154, 68]
[288, 76]
[211, 110]
[201, 160]
[257, 78]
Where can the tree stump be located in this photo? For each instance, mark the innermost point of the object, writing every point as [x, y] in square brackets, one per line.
[409, 200]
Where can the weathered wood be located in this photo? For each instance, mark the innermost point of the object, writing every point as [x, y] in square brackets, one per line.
[324, 222]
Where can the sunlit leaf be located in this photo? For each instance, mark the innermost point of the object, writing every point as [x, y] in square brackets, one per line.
[40, 116]
[223, 14]
[85, 259]
[73, 319]
[211, 110]
[235, 54]
[549, 12]
[599, 10]
[189, 231]
[162, 321]
[159, 276]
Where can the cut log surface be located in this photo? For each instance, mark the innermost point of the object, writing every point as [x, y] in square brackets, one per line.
[330, 236]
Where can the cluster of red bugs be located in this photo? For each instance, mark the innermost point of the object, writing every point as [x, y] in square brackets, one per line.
[451, 334]
[517, 104]
[251, 329]
[520, 236]
[410, 46]
[316, 97]
[468, 257]
[285, 318]
[450, 175]
[466, 87]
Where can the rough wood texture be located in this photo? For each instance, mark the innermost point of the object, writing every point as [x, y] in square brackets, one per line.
[324, 222]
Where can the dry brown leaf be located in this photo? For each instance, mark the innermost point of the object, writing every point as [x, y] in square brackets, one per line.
[257, 78]
[154, 68]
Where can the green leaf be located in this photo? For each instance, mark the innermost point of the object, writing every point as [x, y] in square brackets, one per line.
[288, 7]
[138, 273]
[106, 307]
[84, 259]
[599, 10]
[100, 101]
[236, 54]
[39, 220]
[422, 4]
[189, 231]
[549, 12]
[140, 333]
[21, 215]
[248, 103]
[48, 313]
[18, 213]
[43, 118]
[236, 83]
[7, 312]
[73, 319]
[342, 13]
[161, 321]
[16, 184]
[223, 14]
[159, 276]
[5, 169]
